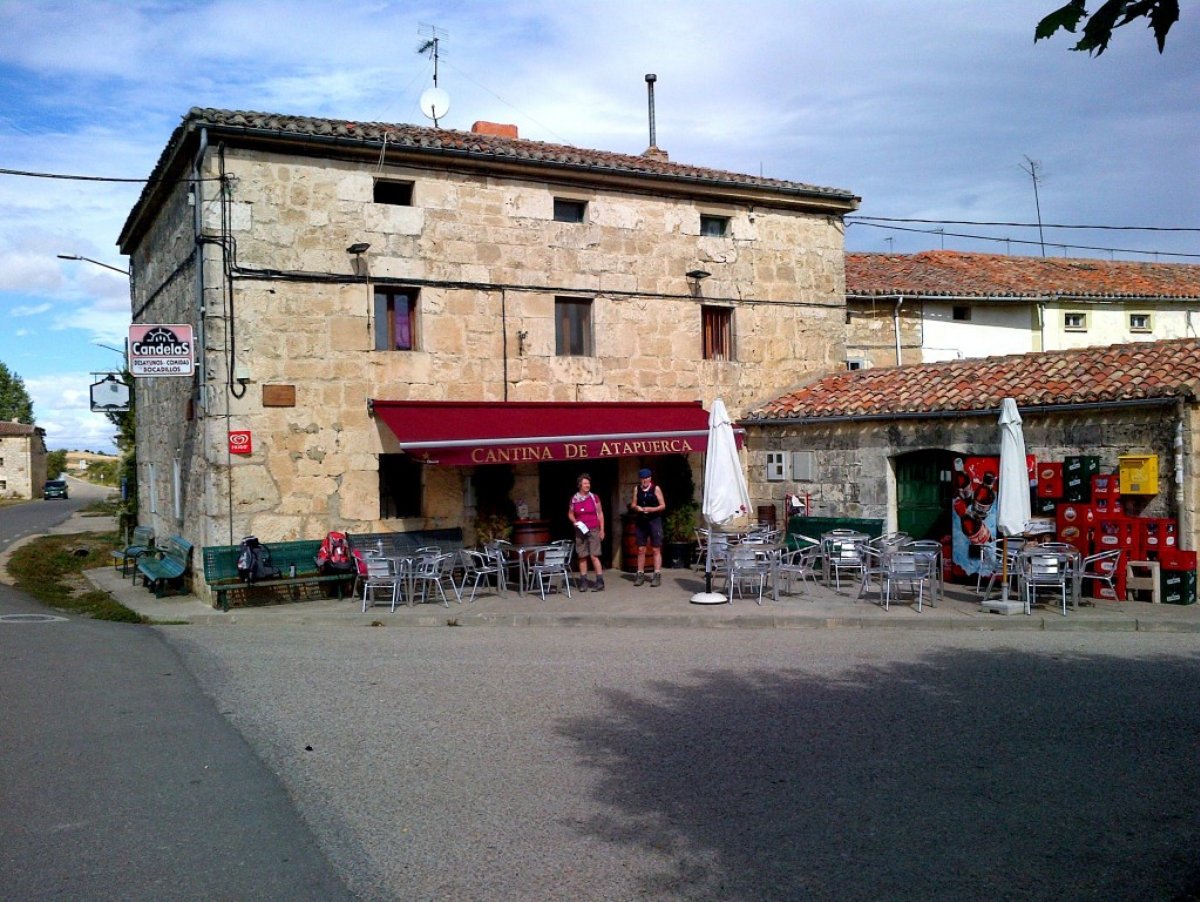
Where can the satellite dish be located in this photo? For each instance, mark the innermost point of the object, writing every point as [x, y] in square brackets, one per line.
[435, 103]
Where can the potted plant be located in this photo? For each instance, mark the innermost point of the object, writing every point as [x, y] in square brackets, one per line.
[679, 535]
[490, 527]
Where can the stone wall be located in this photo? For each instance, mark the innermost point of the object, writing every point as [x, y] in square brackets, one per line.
[854, 460]
[22, 466]
[490, 261]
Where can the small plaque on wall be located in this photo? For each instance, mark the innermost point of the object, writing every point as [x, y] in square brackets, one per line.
[279, 396]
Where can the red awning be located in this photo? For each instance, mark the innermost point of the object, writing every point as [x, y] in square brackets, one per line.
[466, 433]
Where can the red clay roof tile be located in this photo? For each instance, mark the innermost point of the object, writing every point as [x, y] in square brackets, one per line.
[1129, 372]
[954, 274]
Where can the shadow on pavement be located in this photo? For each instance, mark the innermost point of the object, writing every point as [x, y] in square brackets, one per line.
[1010, 774]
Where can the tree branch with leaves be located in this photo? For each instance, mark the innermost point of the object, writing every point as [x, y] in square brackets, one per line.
[1099, 26]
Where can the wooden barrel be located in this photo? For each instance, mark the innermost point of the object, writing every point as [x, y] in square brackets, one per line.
[531, 532]
[629, 545]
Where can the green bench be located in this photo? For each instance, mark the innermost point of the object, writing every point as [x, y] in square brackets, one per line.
[140, 542]
[164, 564]
[221, 575]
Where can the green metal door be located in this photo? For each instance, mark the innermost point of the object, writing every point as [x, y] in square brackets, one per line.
[922, 504]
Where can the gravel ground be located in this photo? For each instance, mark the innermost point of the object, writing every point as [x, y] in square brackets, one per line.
[632, 764]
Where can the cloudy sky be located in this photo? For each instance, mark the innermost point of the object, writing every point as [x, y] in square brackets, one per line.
[927, 109]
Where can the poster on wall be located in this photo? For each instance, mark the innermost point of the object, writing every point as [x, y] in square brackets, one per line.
[976, 480]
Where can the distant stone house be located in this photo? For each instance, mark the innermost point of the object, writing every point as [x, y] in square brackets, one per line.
[946, 305]
[22, 460]
[400, 324]
[880, 443]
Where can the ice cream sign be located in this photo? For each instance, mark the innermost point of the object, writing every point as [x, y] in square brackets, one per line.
[161, 350]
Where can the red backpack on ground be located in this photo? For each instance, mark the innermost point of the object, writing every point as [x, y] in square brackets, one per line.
[334, 554]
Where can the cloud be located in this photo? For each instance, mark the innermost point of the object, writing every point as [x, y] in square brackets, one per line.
[61, 406]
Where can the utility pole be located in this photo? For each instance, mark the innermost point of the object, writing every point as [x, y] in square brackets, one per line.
[1033, 174]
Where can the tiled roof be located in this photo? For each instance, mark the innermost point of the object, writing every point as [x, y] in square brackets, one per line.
[7, 428]
[1123, 372]
[447, 143]
[956, 274]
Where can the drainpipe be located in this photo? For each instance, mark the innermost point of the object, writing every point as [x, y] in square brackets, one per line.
[896, 327]
[1181, 508]
[198, 227]
[1041, 315]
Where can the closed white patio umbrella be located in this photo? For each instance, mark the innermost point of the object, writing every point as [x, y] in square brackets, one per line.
[726, 499]
[1013, 511]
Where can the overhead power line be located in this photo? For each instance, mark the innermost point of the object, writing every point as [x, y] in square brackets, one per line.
[1027, 225]
[1078, 247]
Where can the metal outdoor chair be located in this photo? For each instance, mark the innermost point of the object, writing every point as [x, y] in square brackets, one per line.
[1103, 568]
[750, 565]
[931, 550]
[905, 569]
[550, 567]
[434, 573]
[481, 568]
[873, 569]
[843, 556]
[802, 564]
[1044, 570]
[381, 577]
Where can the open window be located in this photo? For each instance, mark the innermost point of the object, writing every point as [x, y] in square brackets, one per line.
[398, 194]
[396, 319]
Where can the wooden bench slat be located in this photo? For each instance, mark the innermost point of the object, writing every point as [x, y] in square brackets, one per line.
[220, 569]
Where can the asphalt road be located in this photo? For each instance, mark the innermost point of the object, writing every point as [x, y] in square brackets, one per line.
[445, 763]
[35, 518]
[119, 779]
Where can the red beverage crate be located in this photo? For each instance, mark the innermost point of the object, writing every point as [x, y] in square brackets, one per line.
[1106, 484]
[1049, 480]
[1157, 535]
[1094, 588]
[1174, 559]
[1107, 505]
[1074, 524]
[1119, 532]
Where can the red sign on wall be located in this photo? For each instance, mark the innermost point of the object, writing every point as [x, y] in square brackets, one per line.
[239, 441]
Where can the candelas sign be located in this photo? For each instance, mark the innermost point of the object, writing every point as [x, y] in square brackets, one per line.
[161, 350]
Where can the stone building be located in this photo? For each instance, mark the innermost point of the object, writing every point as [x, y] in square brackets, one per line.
[405, 327]
[946, 305]
[22, 460]
[880, 443]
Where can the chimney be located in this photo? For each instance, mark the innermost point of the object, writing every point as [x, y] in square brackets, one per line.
[654, 152]
[495, 129]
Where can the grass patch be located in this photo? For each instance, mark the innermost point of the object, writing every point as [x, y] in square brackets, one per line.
[104, 508]
[51, 570]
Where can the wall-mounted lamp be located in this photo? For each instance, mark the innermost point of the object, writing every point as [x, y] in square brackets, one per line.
[358, 249]
[697, 275]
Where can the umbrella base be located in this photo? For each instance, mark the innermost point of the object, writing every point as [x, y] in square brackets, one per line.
[709, 598]
[1003, 606]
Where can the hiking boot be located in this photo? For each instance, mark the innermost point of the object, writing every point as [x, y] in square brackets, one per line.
[639, 579]
[583, 584]
[598, 585]
[657, 580]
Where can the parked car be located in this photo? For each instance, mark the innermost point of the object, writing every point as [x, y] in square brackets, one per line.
[54, 488]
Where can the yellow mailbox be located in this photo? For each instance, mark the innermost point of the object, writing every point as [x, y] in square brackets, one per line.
[1139, 474]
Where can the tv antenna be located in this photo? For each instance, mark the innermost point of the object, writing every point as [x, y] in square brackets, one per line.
[435, 103]
[1032, 170]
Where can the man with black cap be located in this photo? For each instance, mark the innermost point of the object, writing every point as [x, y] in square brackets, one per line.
[648, 504]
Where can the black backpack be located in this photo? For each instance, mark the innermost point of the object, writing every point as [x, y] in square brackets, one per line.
[254, 561]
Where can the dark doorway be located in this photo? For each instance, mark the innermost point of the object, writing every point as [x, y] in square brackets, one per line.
[556, 485]
[923, 491]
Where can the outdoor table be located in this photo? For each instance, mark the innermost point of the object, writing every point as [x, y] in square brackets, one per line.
[527, 556]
